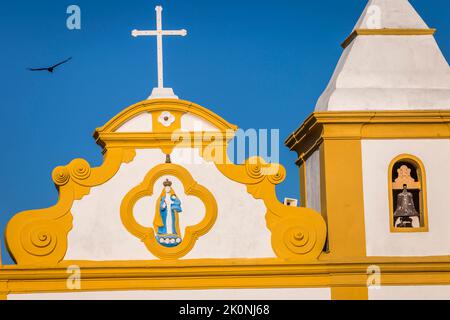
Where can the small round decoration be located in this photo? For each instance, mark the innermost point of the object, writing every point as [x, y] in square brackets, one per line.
[279, 175]
[253, 168]
[80, 169]
[258, 169]
[299, 237]
[60, 176]
[166, 119]
[169, 241]
[40, 239]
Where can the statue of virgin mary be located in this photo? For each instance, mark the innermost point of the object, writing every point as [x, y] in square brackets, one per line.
[166, 222]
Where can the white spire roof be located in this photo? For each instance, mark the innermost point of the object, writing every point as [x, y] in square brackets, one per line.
[394, 14]
[392, 62]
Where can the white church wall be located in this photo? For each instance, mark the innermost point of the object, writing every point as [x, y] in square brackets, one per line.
[141, 123]
[222, 294]
[240, 230]
[410, 293]
[376, 157]
[193, 123]
[313, 181]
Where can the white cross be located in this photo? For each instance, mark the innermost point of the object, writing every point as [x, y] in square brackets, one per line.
[159, 33]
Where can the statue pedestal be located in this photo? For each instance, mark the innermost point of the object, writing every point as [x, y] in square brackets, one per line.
[162, 93]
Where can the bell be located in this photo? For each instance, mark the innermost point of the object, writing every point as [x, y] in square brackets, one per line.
[405, 208]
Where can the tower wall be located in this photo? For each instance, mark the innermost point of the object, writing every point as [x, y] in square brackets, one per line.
[380, 240]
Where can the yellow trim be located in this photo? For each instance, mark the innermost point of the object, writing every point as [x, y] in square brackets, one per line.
[349, 293]
[418, 164]
[159, 127]
[3, 288]
[230, 273]
[166, 141]
[343, 197]
[39, 237]
[147, 235]
[359, 125]
[297, 233]
[162, 137]
[171, 105]
[339, 136]
[386, 32]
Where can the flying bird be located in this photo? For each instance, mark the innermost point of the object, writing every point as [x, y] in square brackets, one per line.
[52, 68]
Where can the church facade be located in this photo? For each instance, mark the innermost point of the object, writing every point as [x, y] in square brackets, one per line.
[168, 214]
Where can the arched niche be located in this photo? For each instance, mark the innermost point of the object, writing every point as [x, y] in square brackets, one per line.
[407, 195]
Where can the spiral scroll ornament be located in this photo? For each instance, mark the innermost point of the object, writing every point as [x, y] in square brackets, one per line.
[257, 169]
[298, 238]
[39, 239]
[278, 175]
[80, 169]
[60, 176]
[254, 169]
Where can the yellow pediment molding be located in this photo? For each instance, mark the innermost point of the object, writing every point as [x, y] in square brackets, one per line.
[298, 234]
[359, 125]
[160, 105]
[163, 137]
[39, 237]
[232, 273]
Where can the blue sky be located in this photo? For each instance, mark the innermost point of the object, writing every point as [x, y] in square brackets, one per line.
[258, 64]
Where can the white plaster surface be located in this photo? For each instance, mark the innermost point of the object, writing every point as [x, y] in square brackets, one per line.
[162, 93]
[394, 14]
[141, 123]
[98, 234]
[189, 122]
[223, 294]
[410, 293]
[313, 181]
[376, 157]
[193, 123]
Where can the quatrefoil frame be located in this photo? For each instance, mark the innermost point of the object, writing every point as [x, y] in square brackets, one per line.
[147, 234]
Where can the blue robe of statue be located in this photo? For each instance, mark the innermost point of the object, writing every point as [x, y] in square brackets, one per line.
[176, 206]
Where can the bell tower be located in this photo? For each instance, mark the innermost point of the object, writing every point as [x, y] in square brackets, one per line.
[374, 156]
